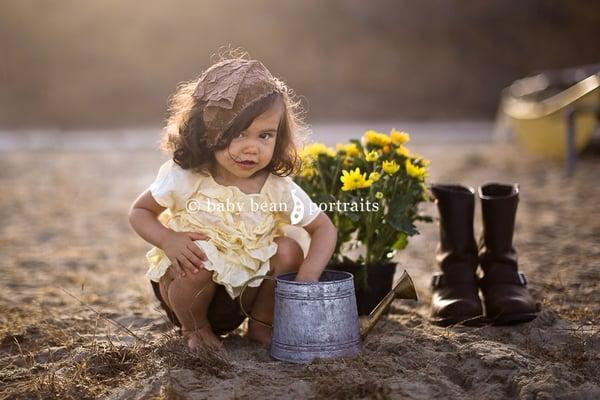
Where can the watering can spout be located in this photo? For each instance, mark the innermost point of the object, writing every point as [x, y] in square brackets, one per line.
[404, 289]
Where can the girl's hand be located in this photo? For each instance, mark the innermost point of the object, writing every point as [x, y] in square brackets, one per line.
[303, 276]
[185, 256]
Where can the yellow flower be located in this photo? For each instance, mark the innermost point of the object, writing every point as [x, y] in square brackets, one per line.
[399, 138]
[415, 171]
[307, 171]
[314, 149]
[402, 151]
[422, 161]
[374, 176]
[386, 149]
[354, 180]
[379, 195]
[372, 156]
[376, 139]
[351, 149]
[390, 167]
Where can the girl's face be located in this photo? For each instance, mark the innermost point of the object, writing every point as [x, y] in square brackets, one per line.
[252, 150]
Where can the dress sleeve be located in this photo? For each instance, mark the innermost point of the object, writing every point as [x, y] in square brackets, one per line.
[173, 186]
[304, 210]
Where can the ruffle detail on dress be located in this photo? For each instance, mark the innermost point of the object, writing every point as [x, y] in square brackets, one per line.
[240, 243]
[229, 272]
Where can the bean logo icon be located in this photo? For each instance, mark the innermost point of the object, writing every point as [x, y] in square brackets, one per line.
[298, 210]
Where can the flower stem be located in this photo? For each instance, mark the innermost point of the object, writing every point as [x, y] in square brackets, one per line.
[322, 175]
[335, 175]
[369, 238]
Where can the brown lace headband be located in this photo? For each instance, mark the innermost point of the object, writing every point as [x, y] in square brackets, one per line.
[227, 88]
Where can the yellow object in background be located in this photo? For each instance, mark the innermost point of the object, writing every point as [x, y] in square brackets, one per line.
[536, 109]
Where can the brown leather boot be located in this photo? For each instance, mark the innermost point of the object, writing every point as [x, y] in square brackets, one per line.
[455, 293]
[504, 288]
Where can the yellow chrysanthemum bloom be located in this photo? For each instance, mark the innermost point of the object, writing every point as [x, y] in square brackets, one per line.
[385, 149]
[415, 171]
[379, 195]
[399, 138]
[376, 139]
[372, 156]
[354, 180]
[374, 176]
[314, 149]
[390, 167]
[402, 151]
[350, 149]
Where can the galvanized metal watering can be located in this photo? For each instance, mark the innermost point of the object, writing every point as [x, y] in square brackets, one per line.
[320, 319]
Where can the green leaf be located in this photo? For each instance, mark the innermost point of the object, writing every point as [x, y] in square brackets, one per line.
[354, 217]
[324, 198]
[398, 215]
[401, 241]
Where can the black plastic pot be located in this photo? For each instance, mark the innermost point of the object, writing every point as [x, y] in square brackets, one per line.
[380, 278]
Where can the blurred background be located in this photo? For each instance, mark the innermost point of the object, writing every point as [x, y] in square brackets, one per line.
[68, 65]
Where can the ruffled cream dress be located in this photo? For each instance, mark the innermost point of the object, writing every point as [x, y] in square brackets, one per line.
[241, 227]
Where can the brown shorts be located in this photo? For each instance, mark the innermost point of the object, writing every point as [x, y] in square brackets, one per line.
[224, 313]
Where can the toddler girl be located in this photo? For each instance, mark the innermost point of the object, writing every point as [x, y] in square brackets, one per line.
[217, 211]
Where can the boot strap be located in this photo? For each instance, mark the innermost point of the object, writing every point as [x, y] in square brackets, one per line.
[516, 278]
[440, 280]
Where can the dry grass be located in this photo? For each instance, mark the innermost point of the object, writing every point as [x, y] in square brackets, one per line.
[41, 360]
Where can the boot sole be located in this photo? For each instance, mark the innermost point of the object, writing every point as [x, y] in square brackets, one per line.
[511, 319]
[478, 320]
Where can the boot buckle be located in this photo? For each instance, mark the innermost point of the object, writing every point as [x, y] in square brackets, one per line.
[517, 278]
[522, 279]
[438, 280]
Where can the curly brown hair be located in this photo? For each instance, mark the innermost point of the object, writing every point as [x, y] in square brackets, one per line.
[184, 133]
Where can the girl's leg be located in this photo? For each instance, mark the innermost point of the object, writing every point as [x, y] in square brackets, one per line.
[189, 298]
[288, 258]
[163, 285]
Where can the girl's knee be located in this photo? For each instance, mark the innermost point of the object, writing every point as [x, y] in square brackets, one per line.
[289, 255]
[201, 277]
[167, 277]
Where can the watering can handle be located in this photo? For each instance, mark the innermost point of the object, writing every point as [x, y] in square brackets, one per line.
[242, 293]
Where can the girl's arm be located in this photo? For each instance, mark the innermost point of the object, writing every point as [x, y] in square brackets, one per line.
[323, 236]
[179, 247]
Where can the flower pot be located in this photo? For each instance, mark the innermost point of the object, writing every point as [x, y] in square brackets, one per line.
[379, 280]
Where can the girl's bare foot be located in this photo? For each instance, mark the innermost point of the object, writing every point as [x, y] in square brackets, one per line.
[259, 333]
[202, 338]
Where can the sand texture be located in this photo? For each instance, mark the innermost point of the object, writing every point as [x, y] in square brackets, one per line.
[72, 279]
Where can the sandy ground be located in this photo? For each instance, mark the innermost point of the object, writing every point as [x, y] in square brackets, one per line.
[72, 270]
